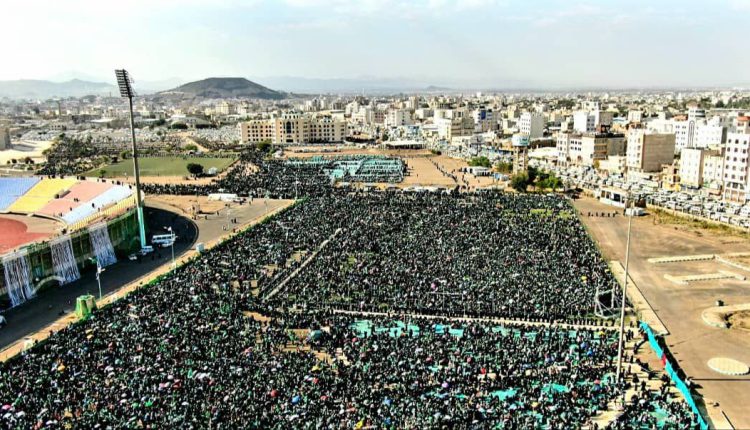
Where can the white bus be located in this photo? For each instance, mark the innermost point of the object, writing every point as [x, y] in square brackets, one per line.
[163, 240]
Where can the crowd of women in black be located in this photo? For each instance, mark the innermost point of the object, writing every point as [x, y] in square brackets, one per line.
[186, 351]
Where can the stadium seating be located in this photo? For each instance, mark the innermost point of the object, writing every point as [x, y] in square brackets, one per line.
[103, 200]
[13, 188]
[79, 194]
[40, 194]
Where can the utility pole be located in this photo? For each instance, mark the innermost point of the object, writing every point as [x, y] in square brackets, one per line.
[126, 91]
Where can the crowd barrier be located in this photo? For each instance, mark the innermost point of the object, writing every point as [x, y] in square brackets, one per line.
[653, 340]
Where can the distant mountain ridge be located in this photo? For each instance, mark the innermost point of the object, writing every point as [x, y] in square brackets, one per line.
[41, 89]
[215, 88]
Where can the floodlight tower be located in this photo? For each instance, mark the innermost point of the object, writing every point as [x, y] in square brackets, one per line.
[126, 91]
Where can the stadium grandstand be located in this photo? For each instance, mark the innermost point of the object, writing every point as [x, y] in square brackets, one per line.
[52, 226]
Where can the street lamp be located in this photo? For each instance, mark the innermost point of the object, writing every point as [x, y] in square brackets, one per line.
[99, 270]
[126, 91]
[171, 241]
[621, 342]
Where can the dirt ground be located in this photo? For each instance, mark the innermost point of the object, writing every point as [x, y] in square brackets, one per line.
[424, 167]
[189, 204]
[696, 226]
[740, 320]
[680, 307]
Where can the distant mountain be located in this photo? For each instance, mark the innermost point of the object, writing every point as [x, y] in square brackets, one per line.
[215, 88]
[38, 89]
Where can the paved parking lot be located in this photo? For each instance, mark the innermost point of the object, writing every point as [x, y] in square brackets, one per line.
[691, 341]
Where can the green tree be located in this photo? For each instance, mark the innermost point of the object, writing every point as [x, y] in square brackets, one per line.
[263, 146]
[480, 161]
[195, 169]
[191, 147]
[504, 167]
[520, 182]
[532, 174]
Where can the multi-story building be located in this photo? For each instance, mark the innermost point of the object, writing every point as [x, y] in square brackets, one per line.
[588, 148]
[257, 130]
[713, 169]
[294, 128]
[696, 132]
[647, 152]
[484, 120]
[635, 116]
[736, 163]
[453, 123]
[398, 117]
[588, 122]
[691, 166]
[670, 176]
[531, 124]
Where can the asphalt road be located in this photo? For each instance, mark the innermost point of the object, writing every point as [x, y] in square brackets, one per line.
[51, 303]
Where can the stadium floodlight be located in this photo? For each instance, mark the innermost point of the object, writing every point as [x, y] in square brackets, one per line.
[126, 91]
[124, 82]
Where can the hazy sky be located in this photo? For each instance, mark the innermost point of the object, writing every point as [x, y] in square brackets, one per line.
[446, 42]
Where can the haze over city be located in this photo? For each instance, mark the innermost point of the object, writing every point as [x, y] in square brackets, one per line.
[473, 44]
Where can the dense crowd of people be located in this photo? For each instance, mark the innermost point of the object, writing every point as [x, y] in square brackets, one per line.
[256, 175]
[509, 255]
[196, 348]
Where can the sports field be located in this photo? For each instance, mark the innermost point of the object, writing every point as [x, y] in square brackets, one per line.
[160, 166]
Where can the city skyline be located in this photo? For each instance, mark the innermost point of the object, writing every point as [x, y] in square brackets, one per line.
[459, 44]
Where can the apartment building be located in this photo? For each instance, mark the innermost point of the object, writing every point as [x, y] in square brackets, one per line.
[736, 164]
[691, 166]
[647, 152]
[697, 132]
[590, 121]
[588, 148]
[531, 124]
[398, 117]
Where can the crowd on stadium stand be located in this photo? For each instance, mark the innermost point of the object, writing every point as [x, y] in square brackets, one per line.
[194, 350]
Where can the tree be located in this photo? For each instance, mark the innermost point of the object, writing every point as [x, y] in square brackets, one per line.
[195, 169]
[178, 126]
[504, 167]
[264, 145]
[520, 182]
[102, 173]
[480, 161]
[191, 147]
[124, 155]
[532, 174]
